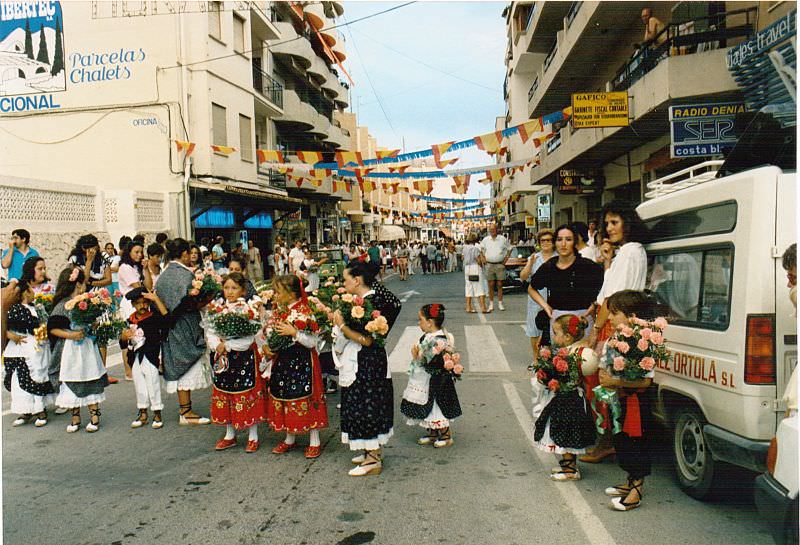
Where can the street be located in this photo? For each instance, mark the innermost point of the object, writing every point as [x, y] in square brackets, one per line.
[125, 486]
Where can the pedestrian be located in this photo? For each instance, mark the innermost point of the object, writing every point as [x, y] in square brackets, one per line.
[473, 274]
[184, 353]
[147, 327]
[430, 399]
[255, 268]
[113, 259]
[218, 254]
[277, 259]
[563, 422]
[195, 256]
[18, 251]
[81, 373]
[296, 392]
[633, 447]
[430, 254]
[238, 397]
[451, 256]
[402, 254]
[581, 241]
[34, 272]
[310, 268]
[546, 238]
[26, 360]
[131, 276]
[367, 416]
[236, 266]
[496, 250]
[386, 258]
[624, 261]
[296, 257]
[572, 281]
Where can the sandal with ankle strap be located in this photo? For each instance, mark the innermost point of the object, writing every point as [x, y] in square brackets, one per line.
[561, 464]
[428, 439]
[567, 472]
[371, 465]
[93, 426]
[445, 439]
[74, 426]
[195, 420]
[141, 420]
[619, 490]
[620, 504]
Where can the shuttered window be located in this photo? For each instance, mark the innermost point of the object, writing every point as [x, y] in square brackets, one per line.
[219, 125]
[245, 138]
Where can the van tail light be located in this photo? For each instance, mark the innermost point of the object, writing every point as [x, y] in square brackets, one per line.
[772, 455]
[759, 357]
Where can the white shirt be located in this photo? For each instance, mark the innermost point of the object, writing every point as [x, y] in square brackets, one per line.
[495, 249]
[628, 271]
[589, 253]
[296, 257]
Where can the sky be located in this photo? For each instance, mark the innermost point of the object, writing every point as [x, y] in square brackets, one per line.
[401, 60]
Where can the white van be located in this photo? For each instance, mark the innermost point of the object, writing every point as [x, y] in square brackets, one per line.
[715, 258]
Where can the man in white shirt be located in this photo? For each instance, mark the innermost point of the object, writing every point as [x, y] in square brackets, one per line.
[590, 235]
[296, 257]
[495, 249]
[581, 233]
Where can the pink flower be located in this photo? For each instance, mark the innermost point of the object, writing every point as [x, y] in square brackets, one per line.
[340, 290]
[645, 333]
[642, 345]
[335, 298]
[627, 331]
[660, 323]
[623, 347]
[563, 352]
[560, 364]
[619, 363]
[657, 338]
[117, 294]
[458, 369]
[545, 353]
[83, 305]
[358, 300]
[448, 362]
[639, 322]
[194, 292]
[375, 313]
[647, 364]
[553, 385]
[456, 357]
[541, 375]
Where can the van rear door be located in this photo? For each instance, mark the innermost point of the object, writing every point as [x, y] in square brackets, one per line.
[785, 320]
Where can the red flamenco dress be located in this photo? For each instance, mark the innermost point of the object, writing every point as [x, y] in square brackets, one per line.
[296, 394]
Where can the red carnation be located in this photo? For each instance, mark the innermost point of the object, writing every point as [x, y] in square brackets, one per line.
[553, 385]
[300, 324]
[560, 364]
[541, 375]
[314, 327]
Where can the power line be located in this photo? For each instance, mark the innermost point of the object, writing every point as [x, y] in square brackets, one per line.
[369, 79]
[300, 37]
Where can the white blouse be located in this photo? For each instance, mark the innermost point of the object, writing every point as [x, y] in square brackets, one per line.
[628, 271]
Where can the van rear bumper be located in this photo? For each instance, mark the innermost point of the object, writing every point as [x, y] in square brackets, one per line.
[735, 449]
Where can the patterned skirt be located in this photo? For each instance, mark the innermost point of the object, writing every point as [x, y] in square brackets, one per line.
[296, 371]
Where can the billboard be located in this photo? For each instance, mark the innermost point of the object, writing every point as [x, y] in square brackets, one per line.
[702, 130]
[591, 110]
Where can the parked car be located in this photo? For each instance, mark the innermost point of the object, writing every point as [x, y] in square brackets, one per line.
[514, 264]
[335, 264]
[776, 489]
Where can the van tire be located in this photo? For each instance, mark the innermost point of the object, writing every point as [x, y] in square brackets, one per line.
[694, 465]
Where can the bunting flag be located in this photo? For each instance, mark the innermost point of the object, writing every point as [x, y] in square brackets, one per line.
[458, 190]
[320, 173]
[462, 181]
[384, 154]
[542, 139]
[501, 151]
[440, 149]
[392, 189]
[515, 197]
[285, 170]
[315, 182]
[496, 174]
[441, 163]
[424, 186]
[490, 142]
[309, 157]
[184, 145]
[225, 150]
[273, 156]
[400, 170]
[339, 185]
[367, 187]
[528, 128]
[346, 157]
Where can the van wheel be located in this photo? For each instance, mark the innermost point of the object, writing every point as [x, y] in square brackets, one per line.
[694, 465]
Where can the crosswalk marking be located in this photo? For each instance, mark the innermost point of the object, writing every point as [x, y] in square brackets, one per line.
[484, 353]
[401, 355]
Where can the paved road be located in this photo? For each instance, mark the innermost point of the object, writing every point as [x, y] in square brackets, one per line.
[124, 486]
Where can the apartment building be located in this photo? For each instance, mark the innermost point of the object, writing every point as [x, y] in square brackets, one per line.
[140, 117]
[556, 49]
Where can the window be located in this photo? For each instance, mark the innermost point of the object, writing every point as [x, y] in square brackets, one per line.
[245, 140]
[219, 125]
[214, 23]
[695, 284]
[709, 220]
[238, 34]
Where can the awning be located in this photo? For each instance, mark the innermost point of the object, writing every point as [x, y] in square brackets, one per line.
[391, 232]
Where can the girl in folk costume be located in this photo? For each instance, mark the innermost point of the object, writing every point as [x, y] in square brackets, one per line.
[238, 398]
[563, 422]
[143, 340]
[367, 394]
[81, 373]
[296, 394]
[184, 352]
[27, 360]
[430, 399]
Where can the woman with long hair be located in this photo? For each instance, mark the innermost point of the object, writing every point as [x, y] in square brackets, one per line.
[130, 277]
[184, 352]
[34, 273]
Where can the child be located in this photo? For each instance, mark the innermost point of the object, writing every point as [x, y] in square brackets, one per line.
[81, 373]
[430, 399]
[144, 346]
[633, 452]
[238, 397]
[296, 395]
[27, 361]
[563, 422]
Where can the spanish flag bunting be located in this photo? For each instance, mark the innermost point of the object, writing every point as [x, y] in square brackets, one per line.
[310, 157]
[284, 170]
[225, 150]
[273, 156]
[529, 128]
[541, 140]
[363, 171]
[345, 157]
[424, 186]
[515, 197]
[567, 112]
[366, 186]
[496, 174]
[184, 145]
[462, 180]
[440, 149]
[320, 173]
[383, 154]
[459, 215]
[392, 188]
[501, 151]
[441, 163]
[298, 181]
[315, 182]
[490, 142]
[405, 189]
[400, 170]
[458, 190]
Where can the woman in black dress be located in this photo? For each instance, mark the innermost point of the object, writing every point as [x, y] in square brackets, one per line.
[368, 403]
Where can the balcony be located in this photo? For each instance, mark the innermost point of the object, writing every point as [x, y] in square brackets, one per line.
[534, 88]
[270, 88]
[297, 114]
[290, 45]
[263, 19]
[547, 19]
[271, 178]
[338, 136]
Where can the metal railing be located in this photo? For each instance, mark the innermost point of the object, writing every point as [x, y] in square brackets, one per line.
[688, 177]
[273, 179]
[550, 55]
[684, 38]
[268, 86]
[574, 8]
[531, 13]
[534, 87]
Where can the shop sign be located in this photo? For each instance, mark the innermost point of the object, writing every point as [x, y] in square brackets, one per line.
[530, 222]
[578, 183]
[590, 110]
[702, 129]
[777, 32]
[543, 207]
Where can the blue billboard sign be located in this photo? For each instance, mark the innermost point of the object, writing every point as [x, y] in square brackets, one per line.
[702, 130]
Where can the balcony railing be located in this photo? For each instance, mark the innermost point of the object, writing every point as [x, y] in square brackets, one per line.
[273, 179]
[531, 13]
[550, 55]
[534, 87]
[268, 86]
[684, 38]
[553, 144]
[573, 11]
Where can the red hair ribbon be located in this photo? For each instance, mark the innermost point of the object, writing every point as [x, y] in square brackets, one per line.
[572, 328]
[434, 310]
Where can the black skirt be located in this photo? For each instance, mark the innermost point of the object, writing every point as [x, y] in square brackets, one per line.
[570, 421]
[443, 391]
[20, 367]
[368, 403]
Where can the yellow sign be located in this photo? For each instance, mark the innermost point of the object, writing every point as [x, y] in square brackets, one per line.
[591, 110]
[530, 222]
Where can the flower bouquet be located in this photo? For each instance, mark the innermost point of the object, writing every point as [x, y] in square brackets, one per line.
[43, 300]
[358, 313]
[86, 308]
[320, 311]
[327, 290]
[205, 284]
[301, 318]
[107, 328]
[427, 353]
[558, 371]
[234, 320]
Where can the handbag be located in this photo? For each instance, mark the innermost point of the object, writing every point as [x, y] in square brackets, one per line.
[473, 277]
